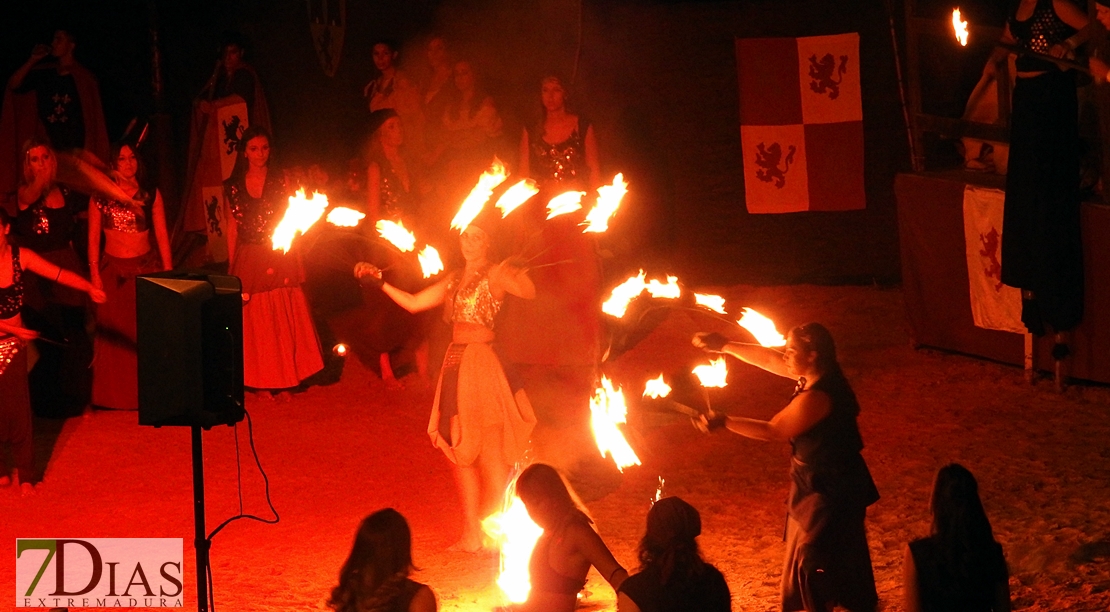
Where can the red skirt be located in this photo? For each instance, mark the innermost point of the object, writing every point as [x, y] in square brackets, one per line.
[280, 347]
[115, 365]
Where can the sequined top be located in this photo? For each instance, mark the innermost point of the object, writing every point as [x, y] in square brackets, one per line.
[11, 297]
[474, 303]
[1043, 29]
[257, 217]
[396, 201]
[124, 217]
[42, 228]
[563, 162]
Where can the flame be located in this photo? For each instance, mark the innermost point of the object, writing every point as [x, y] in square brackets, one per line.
[714, 374]
[515, 534]
[564, 203]
[762, 328]
[659, 490]
[430, 263]
[608, 200]
[339, 350]
[959, 26]
[623, 294]
[300, 215]
[608, 410]
[481, 194]
[516, 195]
[345, 217]
[397, 235]
[656, 388]
[670, 290]
[715, 303]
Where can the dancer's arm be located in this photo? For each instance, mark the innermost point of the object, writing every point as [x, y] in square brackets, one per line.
[762, 357]
[591, 546]
[32, 262]
[22, 333]
[428, 298]
[801, 414]
[511, 277]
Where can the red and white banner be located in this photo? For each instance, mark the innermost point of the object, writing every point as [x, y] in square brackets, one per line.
[993, 305]
[801, 123]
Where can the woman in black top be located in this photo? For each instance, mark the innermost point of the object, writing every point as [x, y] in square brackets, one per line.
[960, 567]
[673, 577]
[375, 576]
[827, 559]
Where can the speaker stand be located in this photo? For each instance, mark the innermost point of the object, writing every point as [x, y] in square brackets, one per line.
[200, 537]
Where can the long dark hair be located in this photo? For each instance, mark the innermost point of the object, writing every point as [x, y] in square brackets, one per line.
[814, 337]
[960, 526]
[241, 163]
[669, 550]
[540, 482]
[375, 572]
[140, 172]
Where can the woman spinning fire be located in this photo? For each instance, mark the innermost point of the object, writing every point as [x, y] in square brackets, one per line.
[477, 420]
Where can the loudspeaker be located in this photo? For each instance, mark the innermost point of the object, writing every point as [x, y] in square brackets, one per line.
[190, 347]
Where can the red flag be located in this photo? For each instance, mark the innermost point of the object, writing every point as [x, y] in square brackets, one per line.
[801, 123]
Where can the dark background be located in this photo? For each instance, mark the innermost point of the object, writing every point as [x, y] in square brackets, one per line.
[657, 78]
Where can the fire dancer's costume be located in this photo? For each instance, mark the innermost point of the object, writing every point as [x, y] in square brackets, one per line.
[1042, 249]
[827, 559]
[15, 397]
[280, 347]
[474, 402]
[116, 364]
[60, 381]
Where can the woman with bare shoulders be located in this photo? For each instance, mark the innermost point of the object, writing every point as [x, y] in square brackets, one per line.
[478, 420]
[560, 151]
[135, 242]
[15, 397]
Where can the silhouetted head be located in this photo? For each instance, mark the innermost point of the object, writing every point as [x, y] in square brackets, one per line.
[669, 545]
[545, 495]
[956, 505]
[381, 557]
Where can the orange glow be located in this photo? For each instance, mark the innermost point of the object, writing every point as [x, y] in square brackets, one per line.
[339, 350]
[564, 204]
[623, 294]
[715, 303]
[608, 410]
[608, 201]
[668, 290]
[301, 214]
[762, 328]
[516, 195]
[656, 388]
[345, 217]
[481, 194]
[515, 534]
[959, 26]
[714, 374]
[430, 263]
[397, 235]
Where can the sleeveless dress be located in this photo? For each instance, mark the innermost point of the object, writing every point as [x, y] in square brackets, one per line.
[116, 365]
[1042, 249]
[280, 347]
[827, 558]
[474, 403]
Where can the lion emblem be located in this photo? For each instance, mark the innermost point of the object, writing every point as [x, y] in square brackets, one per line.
[991, 242]
[212, 208]
[827, 75]
[232, 131]
[768, 160]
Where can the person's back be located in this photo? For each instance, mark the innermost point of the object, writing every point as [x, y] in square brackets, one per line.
[944, 588]
[704, 592]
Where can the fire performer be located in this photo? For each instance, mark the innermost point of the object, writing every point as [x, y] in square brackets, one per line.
[569, 546]
[827, 560]
[1042, 253]
[15, 398]
[477, 419]
[280, 347]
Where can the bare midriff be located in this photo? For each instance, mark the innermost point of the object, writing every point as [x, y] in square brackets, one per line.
[126, 245]
[471, 333]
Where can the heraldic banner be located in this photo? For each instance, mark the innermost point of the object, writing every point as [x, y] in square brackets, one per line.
[801, 123]
[217, 132]
[993, 305]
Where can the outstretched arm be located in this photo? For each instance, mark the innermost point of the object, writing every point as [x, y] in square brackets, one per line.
[19, 332]
[802, 413]
[430, 297]
[762, 357]
[31, 261]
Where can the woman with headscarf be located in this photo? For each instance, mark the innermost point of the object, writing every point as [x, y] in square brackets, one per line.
[827, 560]
[673, 577]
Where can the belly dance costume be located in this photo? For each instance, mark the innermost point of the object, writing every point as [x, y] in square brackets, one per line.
[475, 409]
[115, 366]
[280, 347]
[15, 397]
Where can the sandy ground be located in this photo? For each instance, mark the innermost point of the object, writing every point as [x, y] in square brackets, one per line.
[334, 454]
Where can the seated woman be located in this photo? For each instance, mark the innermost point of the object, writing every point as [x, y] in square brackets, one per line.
[375, 576]
[960, 566]
[569, 546]
[673, 577]
[15, 398]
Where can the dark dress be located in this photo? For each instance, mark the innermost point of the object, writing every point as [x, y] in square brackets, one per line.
[280, 347]
[15, 398]
[60, 381]
[940, 590]
[707, 592]
[827, 558]
[1042, 247]
[116, 364]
